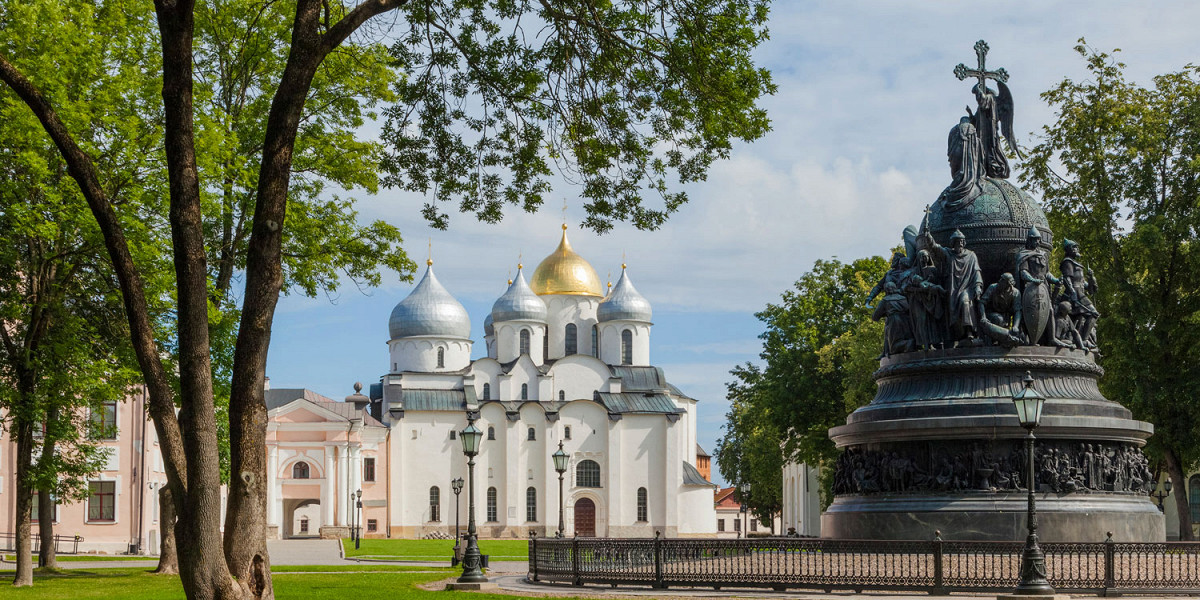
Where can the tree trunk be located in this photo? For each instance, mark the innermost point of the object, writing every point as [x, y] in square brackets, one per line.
[1179, 489]
[47, 557]
[24, 499]
[168, 558]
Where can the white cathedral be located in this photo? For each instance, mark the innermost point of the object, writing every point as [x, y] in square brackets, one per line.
[565, 363]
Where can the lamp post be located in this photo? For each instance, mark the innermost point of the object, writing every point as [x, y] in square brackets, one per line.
[560, 465]
[456, 484]
[472, 559]
[741, 524]
[357, 518]
[1164, 490]
[1029, 405]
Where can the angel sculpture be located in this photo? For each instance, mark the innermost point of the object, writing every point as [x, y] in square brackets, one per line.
[994, 117]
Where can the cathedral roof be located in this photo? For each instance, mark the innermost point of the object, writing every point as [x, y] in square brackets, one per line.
[519, 303]
[692, 476]
[429, 310]
[566, 272]
[624, 303]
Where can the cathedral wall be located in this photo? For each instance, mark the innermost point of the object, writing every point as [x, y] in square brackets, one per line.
[579, 377]
[534, 458]
[508, 340]
[420, 354]
[697, 514]
[610, 342]
[430, 458]
[563, 309]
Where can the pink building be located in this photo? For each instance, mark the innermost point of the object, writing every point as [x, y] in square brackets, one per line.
[121, 511]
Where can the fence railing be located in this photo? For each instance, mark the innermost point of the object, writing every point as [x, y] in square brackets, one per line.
[63, 544]
[935, 566]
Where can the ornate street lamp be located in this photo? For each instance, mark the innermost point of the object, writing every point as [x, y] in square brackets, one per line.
[560, 465]
[1164, 490]
[357, 518]
[741, 524]
[472, 559]
[456, 484]
[1029, 405]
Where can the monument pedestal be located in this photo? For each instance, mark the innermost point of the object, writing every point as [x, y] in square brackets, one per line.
[940, 449]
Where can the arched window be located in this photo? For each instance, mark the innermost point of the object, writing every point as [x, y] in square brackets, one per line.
[545, 348]
[524, 391]
[487, 391]
[627, 347]
[587, 474]
[524, 341]
[595, 341]
[571, 338]
[441, 358]
[300, 470]
[562, 396]
[491, 505]
[435, 504]
[1194, 497]
[491, 432]
[643, 511]
[566, 432]
[532, 435]
[531, 504]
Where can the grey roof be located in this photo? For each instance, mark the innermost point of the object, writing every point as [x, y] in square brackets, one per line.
[488, 327]
[519, 303]
[284, 396]
[700, 451]
[624, 303]
[641, 378]
[349, 412]
[637, 402]
[444, 400]
[692, 476]
[429, 310]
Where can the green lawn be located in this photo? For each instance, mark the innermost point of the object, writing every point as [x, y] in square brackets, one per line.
[89, 557]
[433, 549]
[122, 583]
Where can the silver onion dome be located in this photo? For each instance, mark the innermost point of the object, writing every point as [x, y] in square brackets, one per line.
[429, 310]
[519, 303]
[488, 325]
[624, 303]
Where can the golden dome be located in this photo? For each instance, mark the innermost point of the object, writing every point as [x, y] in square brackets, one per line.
[565, 272]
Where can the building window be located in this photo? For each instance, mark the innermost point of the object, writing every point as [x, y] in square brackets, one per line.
[491, 432]
[372, 525]
[566, 432]
[545, 348]
[454, 434]
[435, 504]
[369, 469]
[562, 395]
[1194, 497]
[531, 504]
[737, 524]
[596, 341]
[300, 470]
[487, 391]
[304, 525]
[524, 391]
[642, 508]
[103, 421]
[587, 474]
[532, 435]
[492, 514]
[37, 507]
[571, 338]
[627, 347]
[524, 341]
[753, 524]
[720, 524]
[102, 501]
[441, 358]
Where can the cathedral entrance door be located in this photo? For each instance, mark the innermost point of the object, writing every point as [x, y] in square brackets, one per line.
[585, 517]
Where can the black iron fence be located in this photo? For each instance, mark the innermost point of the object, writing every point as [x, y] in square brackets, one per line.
[63, 544]
[935, 566]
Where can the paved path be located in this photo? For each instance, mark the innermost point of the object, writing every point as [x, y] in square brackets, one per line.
[306, 552]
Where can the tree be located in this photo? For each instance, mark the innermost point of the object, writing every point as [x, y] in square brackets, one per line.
[643, 90]
[1118, 173]
[820, 349]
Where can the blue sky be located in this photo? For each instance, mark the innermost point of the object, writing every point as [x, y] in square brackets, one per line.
[866, 96]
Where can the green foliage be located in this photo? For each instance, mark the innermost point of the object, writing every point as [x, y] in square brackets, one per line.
[819, 349]
[497, 95]
[1119, 171]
